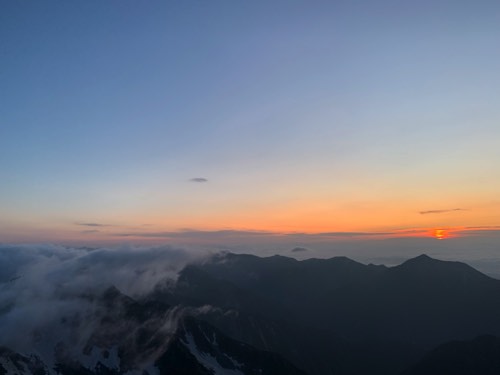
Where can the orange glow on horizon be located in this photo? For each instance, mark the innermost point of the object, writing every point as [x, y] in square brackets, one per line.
[158, 235]
[314, 225]
[441, 234]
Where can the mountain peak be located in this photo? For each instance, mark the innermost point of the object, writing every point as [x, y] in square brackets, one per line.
[429, 268]
[420, 260]
[423, 258]
[424, 263]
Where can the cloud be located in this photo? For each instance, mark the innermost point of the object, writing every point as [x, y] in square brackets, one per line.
[486, 230]
[441, 211]
[198, 179]
[132, 269]
[354, 234]
[199, 234]
[230, 236]
[43, 285]
[298, 249]
[93, 224]
[485, 227]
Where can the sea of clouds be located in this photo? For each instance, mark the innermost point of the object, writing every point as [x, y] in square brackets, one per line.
[42, 285]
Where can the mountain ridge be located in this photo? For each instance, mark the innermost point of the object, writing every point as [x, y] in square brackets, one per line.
[316, 316]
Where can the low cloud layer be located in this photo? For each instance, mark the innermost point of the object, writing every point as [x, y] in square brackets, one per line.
[41, 285]
[200, 234]
[441, 211]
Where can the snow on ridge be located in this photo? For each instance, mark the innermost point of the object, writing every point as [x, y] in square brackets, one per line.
[209, 361]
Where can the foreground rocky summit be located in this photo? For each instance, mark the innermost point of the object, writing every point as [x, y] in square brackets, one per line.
[130, 337]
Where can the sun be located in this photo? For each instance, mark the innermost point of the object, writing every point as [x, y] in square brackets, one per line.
[440, 234]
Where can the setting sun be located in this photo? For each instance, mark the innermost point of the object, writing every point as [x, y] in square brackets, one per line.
[440, 234]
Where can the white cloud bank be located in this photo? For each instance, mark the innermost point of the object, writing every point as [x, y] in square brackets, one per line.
[43, 285]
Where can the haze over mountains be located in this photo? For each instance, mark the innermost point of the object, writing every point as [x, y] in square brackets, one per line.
[165, 311]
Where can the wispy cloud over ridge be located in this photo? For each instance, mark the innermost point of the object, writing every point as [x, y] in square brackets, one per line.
[441, 211]
[57, 281]
[198, 179]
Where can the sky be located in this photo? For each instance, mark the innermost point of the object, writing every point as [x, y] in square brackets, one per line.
[295, 122]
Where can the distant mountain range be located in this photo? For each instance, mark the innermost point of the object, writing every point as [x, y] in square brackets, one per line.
[243, 314]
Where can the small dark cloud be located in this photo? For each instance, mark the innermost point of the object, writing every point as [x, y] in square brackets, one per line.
[299, 249]
[93, 224]
[441, 211]
[146, 234]
[198, 179]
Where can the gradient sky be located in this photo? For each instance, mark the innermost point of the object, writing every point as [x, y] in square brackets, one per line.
[138, 119]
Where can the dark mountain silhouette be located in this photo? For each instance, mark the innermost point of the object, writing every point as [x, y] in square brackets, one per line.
[423, 300]
[243, 314]
[478, 356]
[346, 317]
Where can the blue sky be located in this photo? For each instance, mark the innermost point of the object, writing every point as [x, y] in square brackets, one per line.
[302, 116]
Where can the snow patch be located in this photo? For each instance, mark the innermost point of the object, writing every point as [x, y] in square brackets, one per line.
[209, 361]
